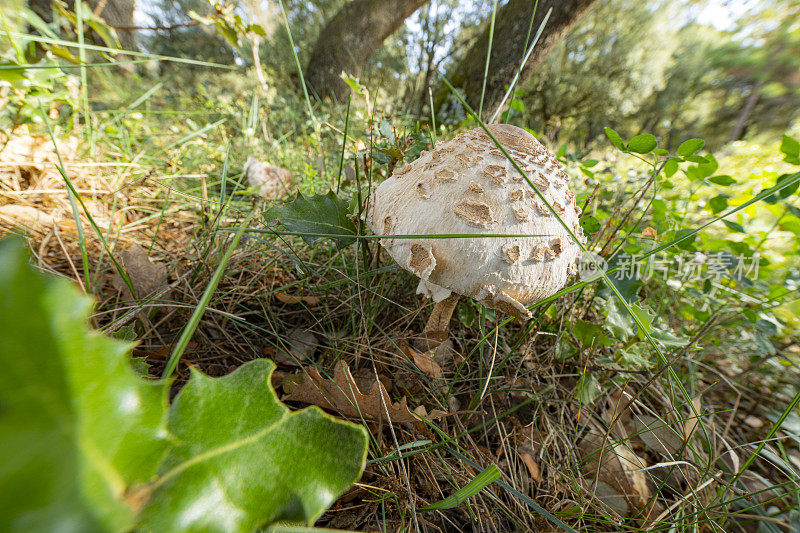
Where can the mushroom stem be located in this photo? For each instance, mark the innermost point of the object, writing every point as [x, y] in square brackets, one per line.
[441, 315]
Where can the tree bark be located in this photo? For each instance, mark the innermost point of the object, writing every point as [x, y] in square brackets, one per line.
[116, 13]
[744, 116]
[349, 39]
[512, 23]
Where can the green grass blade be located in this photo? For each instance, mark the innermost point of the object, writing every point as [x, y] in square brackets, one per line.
[530, 503]
[488, 476]
[96, 48]
[778, 423]
[194, 134]
[515, 80]
[303, 85]
[344, 145]
[433, 117]
[194, 320]
[74, 196]
[87, 119]
[488, 58]
[147, 94]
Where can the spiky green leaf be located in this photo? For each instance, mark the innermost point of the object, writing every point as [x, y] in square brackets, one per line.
[316, 218]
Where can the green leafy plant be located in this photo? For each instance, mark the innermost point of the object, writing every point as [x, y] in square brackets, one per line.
[317, 218]
[91, 444]
[227, 22]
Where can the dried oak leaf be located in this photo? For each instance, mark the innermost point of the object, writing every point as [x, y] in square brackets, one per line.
[614, 466]
[290, 299]
[659, 436]
[343, 395]
[296, 347]
[146, 276]
[533, 467]
[425, 362]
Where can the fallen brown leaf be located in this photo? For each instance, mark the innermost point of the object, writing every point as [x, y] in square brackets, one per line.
[146, 276]
[343, 395]
[425, 362]
[295, 300]
[618, 468]
[658, 435]
[297, 347]
[649, 232]
[692, 421]
[533, 467]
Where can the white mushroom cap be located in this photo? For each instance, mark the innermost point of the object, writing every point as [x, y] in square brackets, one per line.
[467, 186]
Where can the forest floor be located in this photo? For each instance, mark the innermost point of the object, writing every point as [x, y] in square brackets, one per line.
[627, 453]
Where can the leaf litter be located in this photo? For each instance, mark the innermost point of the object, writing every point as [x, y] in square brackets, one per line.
[343, 395]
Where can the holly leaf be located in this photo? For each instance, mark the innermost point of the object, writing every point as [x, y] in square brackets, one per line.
[245, 455]
[316, 218]
[668, 339]
[618, 321]
[590, 335]
[88, 443]
[78, 428]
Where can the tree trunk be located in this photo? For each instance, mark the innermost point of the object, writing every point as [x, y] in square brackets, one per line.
[116, 13]
[349, 39]
[508, 48]
[744, 115]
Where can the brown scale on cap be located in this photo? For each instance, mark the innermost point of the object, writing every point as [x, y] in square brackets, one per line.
[463, 160]
[547, 251]
[521, 213]
[511, 254]
[496, 173]
[424, 190]
[541, 182]
[474, 187]
[445, 175]
[555, 245]
[517, 194]
[475, 213]
[541, 207]
[420, 260]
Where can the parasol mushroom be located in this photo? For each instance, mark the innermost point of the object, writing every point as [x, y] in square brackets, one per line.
[467, 186]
